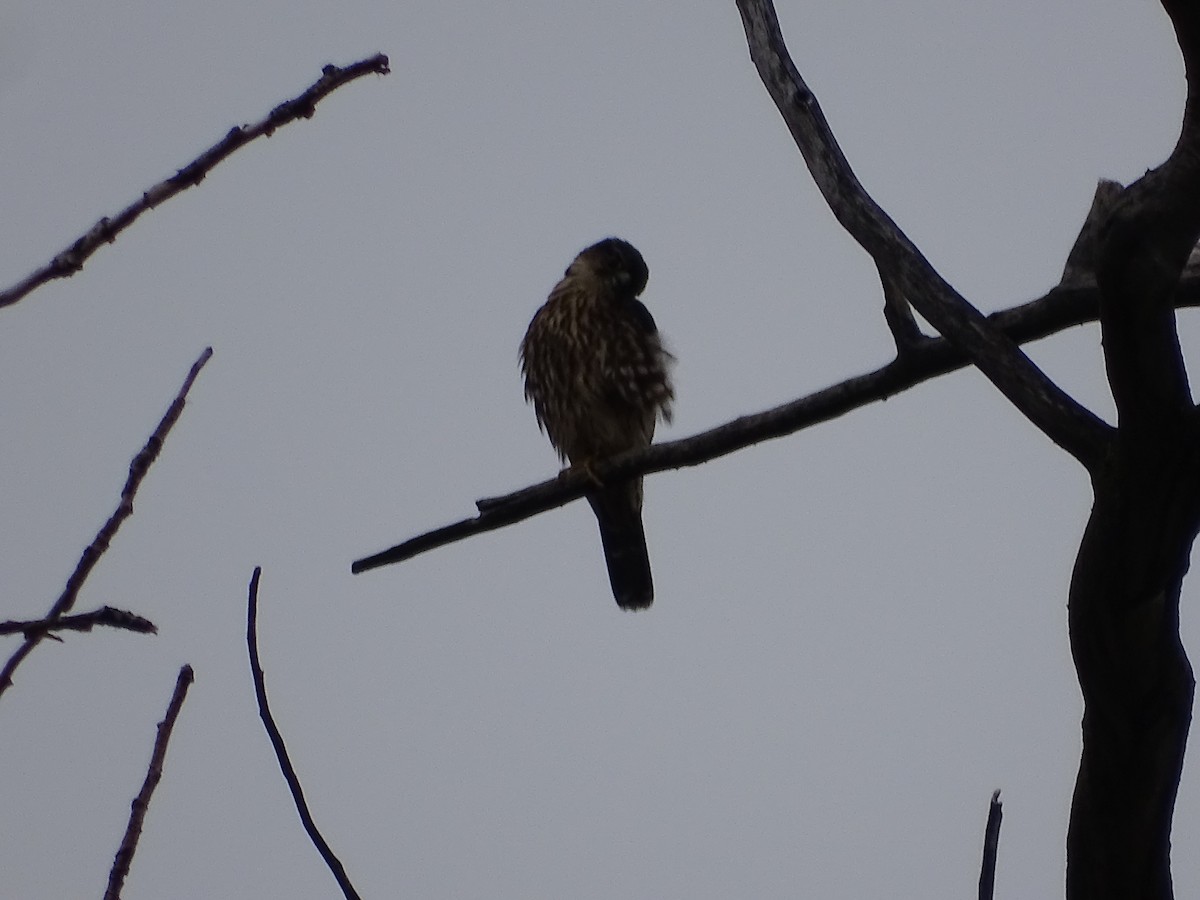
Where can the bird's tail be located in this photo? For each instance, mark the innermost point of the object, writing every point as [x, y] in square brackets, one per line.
[619, 511]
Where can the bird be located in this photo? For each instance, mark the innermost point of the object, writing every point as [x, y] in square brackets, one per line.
[598, 376]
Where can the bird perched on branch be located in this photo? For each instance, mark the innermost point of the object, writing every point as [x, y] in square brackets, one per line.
[597, 375]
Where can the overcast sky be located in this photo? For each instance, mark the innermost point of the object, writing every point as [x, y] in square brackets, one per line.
[859, 631]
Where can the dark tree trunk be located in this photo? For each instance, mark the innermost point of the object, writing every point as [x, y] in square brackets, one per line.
[1135, 677]
[1136, 680]
[1124, 601]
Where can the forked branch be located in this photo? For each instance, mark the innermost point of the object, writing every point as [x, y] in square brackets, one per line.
[1059, 416]
[1143, 247]
[897, 311]
[91, 555]
[1063, 307]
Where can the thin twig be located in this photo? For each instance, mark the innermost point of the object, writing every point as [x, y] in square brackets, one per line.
[1062, 308]
[281, 754]
[991, 844]
[91, 555]
[106, 615]
[71, 260]
[141, 803]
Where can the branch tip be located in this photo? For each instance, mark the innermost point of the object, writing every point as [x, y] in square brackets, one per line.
[281, 754]
[154, 772]
[105, 231]
[138, 468]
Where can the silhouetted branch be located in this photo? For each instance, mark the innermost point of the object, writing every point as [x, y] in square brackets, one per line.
[71, 260]
[1081, 261]
[91, 555]
[1185, 19]
[1062, 308]
[141, 803]
[1143, 246]
[281, 754]
[898, 314]
[991, 846]
[1065, 421]
[107, 616]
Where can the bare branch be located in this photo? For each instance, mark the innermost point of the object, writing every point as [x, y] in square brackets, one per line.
[281, 754]
[1144, 246]
[91, 555]
[106, 615]
[1185, 18]
[1081, 261]
[141, 803]
[1062, 308]
[898, 314]
[1061, 418]
[991, 846]
[71, 260]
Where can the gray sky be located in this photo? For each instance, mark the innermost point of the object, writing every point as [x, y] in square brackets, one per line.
[859, 632]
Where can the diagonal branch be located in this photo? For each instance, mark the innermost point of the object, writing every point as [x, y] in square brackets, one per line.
[141, 803]
[281, 754]
[92, 553]
[1065, 306]
[71, 260]
[1061, 418]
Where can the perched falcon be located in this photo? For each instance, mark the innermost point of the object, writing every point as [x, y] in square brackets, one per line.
[597, 375]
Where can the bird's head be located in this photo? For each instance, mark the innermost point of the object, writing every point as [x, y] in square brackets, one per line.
[616, 263]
